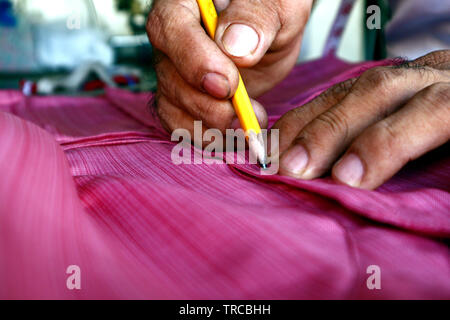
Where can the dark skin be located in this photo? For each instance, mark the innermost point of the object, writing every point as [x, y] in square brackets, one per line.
[197, 76]
[364, 130]
[367, 129]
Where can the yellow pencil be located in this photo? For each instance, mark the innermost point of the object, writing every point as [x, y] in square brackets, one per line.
[241, 100]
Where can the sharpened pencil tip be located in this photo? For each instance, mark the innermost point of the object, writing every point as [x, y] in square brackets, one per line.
[258, 149]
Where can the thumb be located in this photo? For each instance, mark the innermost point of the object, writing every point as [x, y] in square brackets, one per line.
[246, 30]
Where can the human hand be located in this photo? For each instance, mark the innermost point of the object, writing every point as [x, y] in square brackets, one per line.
[367, 129]
[197, 76]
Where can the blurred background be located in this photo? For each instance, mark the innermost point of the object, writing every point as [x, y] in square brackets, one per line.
[52, 38]
[79, 46]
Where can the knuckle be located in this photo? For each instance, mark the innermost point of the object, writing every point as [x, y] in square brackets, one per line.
[380, 79]
[170, 29]
[164, 23]
[285, 125]
[328, 127]
[289, 19]
[299, 117]
[386, 132]
[428, 74]
[343, 87]
[155, 28]
[435, 59]
[290, 126]
[438, 94]
[436, 104]
[334, 122]
[384, 138]
[338, 92]
[291, 120]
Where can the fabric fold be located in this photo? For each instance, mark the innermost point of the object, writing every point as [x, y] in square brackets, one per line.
[90, 182]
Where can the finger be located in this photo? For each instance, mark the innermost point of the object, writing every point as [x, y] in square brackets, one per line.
[174, 28]
[248, 28]
[292, 122]
[217, 114]
[221, 5]
[383, 149]
[376, 94]
[173, 118]
[213, 112]
[438, 59]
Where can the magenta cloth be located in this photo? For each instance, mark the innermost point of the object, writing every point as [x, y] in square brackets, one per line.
[90, 182]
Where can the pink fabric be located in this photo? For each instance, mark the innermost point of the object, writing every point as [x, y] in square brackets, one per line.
[90, 182]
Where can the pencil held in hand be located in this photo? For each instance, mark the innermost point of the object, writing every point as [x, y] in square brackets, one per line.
[241, 100]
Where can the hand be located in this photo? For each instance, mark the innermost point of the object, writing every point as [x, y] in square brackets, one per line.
[367, 129]
[197, 76]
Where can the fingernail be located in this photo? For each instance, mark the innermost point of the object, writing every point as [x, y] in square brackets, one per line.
[295, 160]
[350, 170]
[216, 85]
[221, 5]
[240, 40]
